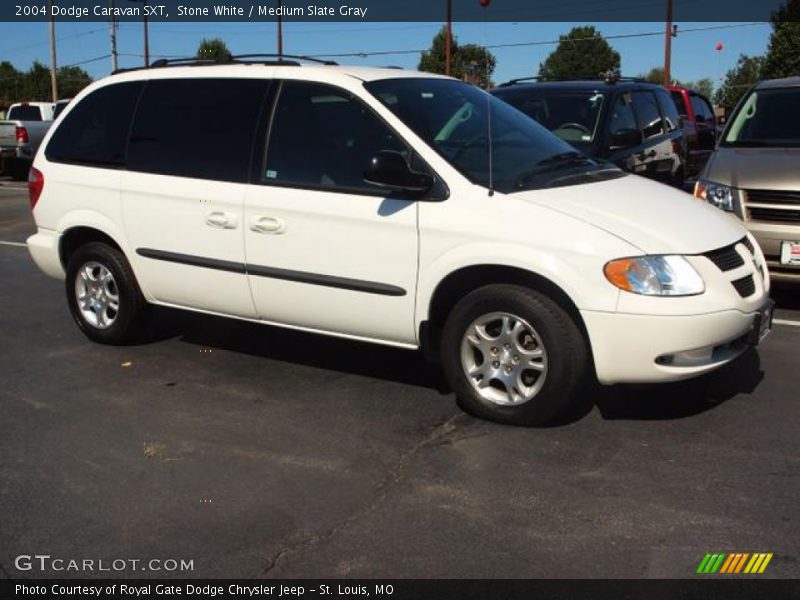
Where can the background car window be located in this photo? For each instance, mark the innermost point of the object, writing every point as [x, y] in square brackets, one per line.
[25, 113]
[622, 115]
[199, 128]
[680, 105]
[324, 136]
[702, 111]
[96, 130]
[671, 116]
[647, 114]
[767, 118]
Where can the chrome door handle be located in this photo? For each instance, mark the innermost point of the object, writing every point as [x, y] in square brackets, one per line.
[271, 225]
[221, 220]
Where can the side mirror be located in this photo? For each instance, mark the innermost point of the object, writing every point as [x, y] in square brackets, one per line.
[390, 170]
[626, 138]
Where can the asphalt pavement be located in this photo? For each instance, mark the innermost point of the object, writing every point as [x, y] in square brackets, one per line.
[258, 452]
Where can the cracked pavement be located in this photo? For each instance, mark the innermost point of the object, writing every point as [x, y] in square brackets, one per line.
[258, 452]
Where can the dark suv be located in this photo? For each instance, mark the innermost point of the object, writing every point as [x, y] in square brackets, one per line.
[631, 123]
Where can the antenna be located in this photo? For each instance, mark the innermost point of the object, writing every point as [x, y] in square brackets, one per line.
[485, 4]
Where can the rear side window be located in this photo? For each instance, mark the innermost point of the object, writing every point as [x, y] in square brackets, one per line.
[324, 137]
[647, 114]
[199, 128]
[25, 113]
[702, 111]
[671, 116]
[622, 115]
[95, 131]
[677, 99]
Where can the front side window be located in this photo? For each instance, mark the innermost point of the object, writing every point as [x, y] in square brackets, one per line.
[199, 128]
[462, 123]
[767, 118]
[647, 114]
[324, 137]
[622, 116]
[702, 111]
[95, 131]
[572, 116]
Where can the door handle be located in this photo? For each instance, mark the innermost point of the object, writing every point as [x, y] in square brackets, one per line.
[221, 220]
[646, 155]
[271, 225]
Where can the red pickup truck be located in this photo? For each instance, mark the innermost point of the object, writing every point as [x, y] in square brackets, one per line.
[699, 125]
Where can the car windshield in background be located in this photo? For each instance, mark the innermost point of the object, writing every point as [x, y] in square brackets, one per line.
[25, 113]
[768, 117]
[454, 119]
[574, 117]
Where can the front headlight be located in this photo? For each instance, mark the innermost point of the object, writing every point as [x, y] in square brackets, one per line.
[719, 195]
[655, 276]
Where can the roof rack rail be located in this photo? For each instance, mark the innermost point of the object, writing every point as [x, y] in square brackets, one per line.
[289, 60]
[607, 77]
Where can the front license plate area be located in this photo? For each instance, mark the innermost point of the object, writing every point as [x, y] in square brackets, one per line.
[790, 253]
[762, 324]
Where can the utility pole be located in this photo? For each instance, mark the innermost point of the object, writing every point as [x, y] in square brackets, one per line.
[146, 39]
[114, 65]
[448, 36]
[280, 30]
[668, 46]
[53, 79]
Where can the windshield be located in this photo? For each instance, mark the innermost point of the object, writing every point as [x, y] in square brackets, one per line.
[574, 117]
[25, 113]
[453, 118]
[767, 118]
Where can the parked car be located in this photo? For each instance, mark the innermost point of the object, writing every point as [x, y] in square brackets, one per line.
[60, 106]
[20, 135]
[699, 124]
[379, 205]
[629, 122]
[755, 172]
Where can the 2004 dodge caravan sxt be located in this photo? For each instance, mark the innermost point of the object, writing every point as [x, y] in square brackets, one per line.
[393, 207]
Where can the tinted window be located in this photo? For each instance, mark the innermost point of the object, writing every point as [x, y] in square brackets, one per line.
[96, 130]
[767, 118]
[573, 117]
[25, 113]
[622, 115]
[671, 116]
[647, 114]
[59, 109]
[323, 136]
[702, 111]
[677, 99]
[201, 128]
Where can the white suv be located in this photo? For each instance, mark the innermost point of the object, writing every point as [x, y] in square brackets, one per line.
[394, 207]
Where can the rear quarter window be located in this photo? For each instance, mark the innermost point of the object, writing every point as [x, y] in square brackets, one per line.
[95, 132]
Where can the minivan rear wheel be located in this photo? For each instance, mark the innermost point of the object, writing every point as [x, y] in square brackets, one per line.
[513, 355]
[103, 295]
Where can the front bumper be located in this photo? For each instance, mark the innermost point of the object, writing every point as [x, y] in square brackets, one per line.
[44, 248]
[630, 348]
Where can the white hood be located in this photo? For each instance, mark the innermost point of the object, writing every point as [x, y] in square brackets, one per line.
[654, 217]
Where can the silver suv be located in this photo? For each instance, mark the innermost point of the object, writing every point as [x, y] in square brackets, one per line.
[755, 172]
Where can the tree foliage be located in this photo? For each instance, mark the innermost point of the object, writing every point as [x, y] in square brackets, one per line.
[705, 86]
[581, 53]
[214, 49]
[469, 62]
[34, 84]
[783, 53]
[748, 70]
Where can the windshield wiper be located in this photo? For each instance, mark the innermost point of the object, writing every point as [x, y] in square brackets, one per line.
[566, 159]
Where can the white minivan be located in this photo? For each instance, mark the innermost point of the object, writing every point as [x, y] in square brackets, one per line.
[394, 207]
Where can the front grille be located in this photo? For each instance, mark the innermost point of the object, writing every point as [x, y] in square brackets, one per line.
[746, 286]
[726, 258]
[773, 197]
[774, 214]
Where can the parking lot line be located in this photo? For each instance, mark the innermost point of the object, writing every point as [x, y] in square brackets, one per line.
[786, 322]
[20, 244]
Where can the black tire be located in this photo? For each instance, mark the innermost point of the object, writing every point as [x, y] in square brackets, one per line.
[126, 325]
[565, 347]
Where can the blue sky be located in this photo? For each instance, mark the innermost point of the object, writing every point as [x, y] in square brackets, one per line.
[694, 54]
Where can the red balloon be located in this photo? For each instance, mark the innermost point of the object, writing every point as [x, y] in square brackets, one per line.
[485, 3]
[719, 46]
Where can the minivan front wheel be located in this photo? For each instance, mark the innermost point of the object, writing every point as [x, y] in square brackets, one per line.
[513, 355]
[104, 297]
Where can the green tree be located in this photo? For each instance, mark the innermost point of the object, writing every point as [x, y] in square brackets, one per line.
[214, 49]
[748, 70]
[783, 53]
[582, 53]
[705, 86]
[469, 62]
[10, 80]
[654, 75]
[71, 80]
